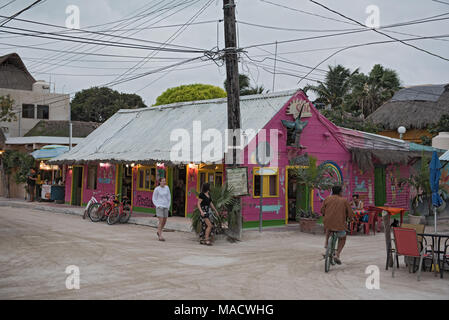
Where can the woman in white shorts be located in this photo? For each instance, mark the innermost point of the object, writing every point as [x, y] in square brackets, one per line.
[161, 200]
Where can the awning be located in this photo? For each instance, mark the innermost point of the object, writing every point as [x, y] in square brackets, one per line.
[49, 152]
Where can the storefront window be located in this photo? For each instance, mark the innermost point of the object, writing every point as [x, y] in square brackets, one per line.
[147, 179]
[270, 182]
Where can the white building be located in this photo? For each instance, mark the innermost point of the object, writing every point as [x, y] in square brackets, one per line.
[33, 100]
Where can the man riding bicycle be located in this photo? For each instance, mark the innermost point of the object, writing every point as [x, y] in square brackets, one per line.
[336, 210]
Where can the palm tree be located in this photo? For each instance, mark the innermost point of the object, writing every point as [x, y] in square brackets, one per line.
[245, 86]
[370, 91]
[335, 87]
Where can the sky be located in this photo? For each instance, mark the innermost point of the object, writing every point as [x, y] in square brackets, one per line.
[165, 20]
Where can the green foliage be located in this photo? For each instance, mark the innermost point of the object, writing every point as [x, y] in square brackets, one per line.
[419, 181]
[351, 121]
[227, 206]
[425, 140]
[306, 214]
[6, 105]
[353, 95]
[245, 86]
[335, 87]
[369, 92]
[312, 177]
[191, 92]
[98, 104]
[441, 126]
[20, 161]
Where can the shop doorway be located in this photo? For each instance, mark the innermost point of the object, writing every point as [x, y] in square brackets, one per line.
[179, 191]
[77, 185]
[124, 181]
[296, 196]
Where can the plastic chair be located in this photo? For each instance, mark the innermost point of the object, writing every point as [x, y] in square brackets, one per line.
[366, 225]
[406, 244]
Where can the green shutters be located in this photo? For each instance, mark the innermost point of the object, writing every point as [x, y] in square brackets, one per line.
[380, 186]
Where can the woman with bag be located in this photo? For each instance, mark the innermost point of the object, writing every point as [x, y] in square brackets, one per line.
[204, 206]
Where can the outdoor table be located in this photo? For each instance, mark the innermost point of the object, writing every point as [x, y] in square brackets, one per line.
[394, 211]
[436, 244]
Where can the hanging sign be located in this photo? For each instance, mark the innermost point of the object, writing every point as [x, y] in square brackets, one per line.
[237, 178]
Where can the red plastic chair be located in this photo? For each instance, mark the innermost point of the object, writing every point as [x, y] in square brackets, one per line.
[371, 222]
[406, 244]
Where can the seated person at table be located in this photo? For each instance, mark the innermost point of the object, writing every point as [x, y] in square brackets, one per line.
[336, 210]
[356, 203]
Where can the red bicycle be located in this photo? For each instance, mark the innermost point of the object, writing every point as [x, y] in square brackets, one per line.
[121, 212]
[100, 211]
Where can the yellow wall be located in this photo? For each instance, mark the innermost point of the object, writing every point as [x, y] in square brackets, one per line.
[412, 135]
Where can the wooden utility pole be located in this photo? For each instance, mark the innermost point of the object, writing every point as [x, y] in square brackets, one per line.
[232, 87]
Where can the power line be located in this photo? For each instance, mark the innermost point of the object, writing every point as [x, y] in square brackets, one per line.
[20, 12]
[305, 12]
[369, 44]
[7, 4]
[380, 32]
[167, 42]
[149, 6]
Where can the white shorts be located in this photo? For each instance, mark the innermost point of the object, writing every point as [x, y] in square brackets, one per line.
[162, 212]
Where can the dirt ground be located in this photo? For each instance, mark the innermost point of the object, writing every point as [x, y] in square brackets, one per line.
[127, 262]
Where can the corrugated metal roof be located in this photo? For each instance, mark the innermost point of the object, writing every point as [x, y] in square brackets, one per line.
[144, 134]
[42, 140]
[420, 93]
[445, 156]
[364, 140]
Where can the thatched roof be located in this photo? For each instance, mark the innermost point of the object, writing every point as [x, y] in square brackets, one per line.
[413, 107]
[14, 74]
[364, 158]
[60, 128]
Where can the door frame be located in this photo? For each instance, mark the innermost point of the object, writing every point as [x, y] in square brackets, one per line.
[73, 182]
[311, 198]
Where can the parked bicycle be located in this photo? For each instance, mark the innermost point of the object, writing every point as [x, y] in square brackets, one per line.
[100, 211]
[93, 203]
[121, 212]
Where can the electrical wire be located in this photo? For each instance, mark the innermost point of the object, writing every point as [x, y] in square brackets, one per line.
[380, 32]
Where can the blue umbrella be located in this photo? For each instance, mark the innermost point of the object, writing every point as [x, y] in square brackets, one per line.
[435, 175]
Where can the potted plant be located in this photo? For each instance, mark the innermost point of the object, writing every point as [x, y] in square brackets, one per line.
[420, 182]
[310, 177]
[415, 218]
[307, 220]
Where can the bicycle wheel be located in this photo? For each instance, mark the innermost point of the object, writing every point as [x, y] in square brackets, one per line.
[127, 211]
[328, 260]
[93, 212]
[101, 212]
[114, 216]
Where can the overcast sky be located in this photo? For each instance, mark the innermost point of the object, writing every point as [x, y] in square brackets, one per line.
[70, 72]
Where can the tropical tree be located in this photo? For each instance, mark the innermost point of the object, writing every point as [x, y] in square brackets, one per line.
[191, 92]
[20, 161]
[98, 104]
[311, 177]
[245, 86]
[335, 87]
[369, 92]
[6, 112]
[227, 205]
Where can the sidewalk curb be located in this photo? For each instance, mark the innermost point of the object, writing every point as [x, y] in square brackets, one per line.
[149, 221]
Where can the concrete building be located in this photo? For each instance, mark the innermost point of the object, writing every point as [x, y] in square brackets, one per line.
[33, 100]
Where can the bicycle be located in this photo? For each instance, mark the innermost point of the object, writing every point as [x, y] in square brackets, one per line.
[121, 212]
[101, 211]
[93, 202]
[330, 251]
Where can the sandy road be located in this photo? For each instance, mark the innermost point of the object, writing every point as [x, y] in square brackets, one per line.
[127, 262]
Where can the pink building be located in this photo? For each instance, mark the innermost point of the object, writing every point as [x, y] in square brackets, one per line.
[131, 151]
